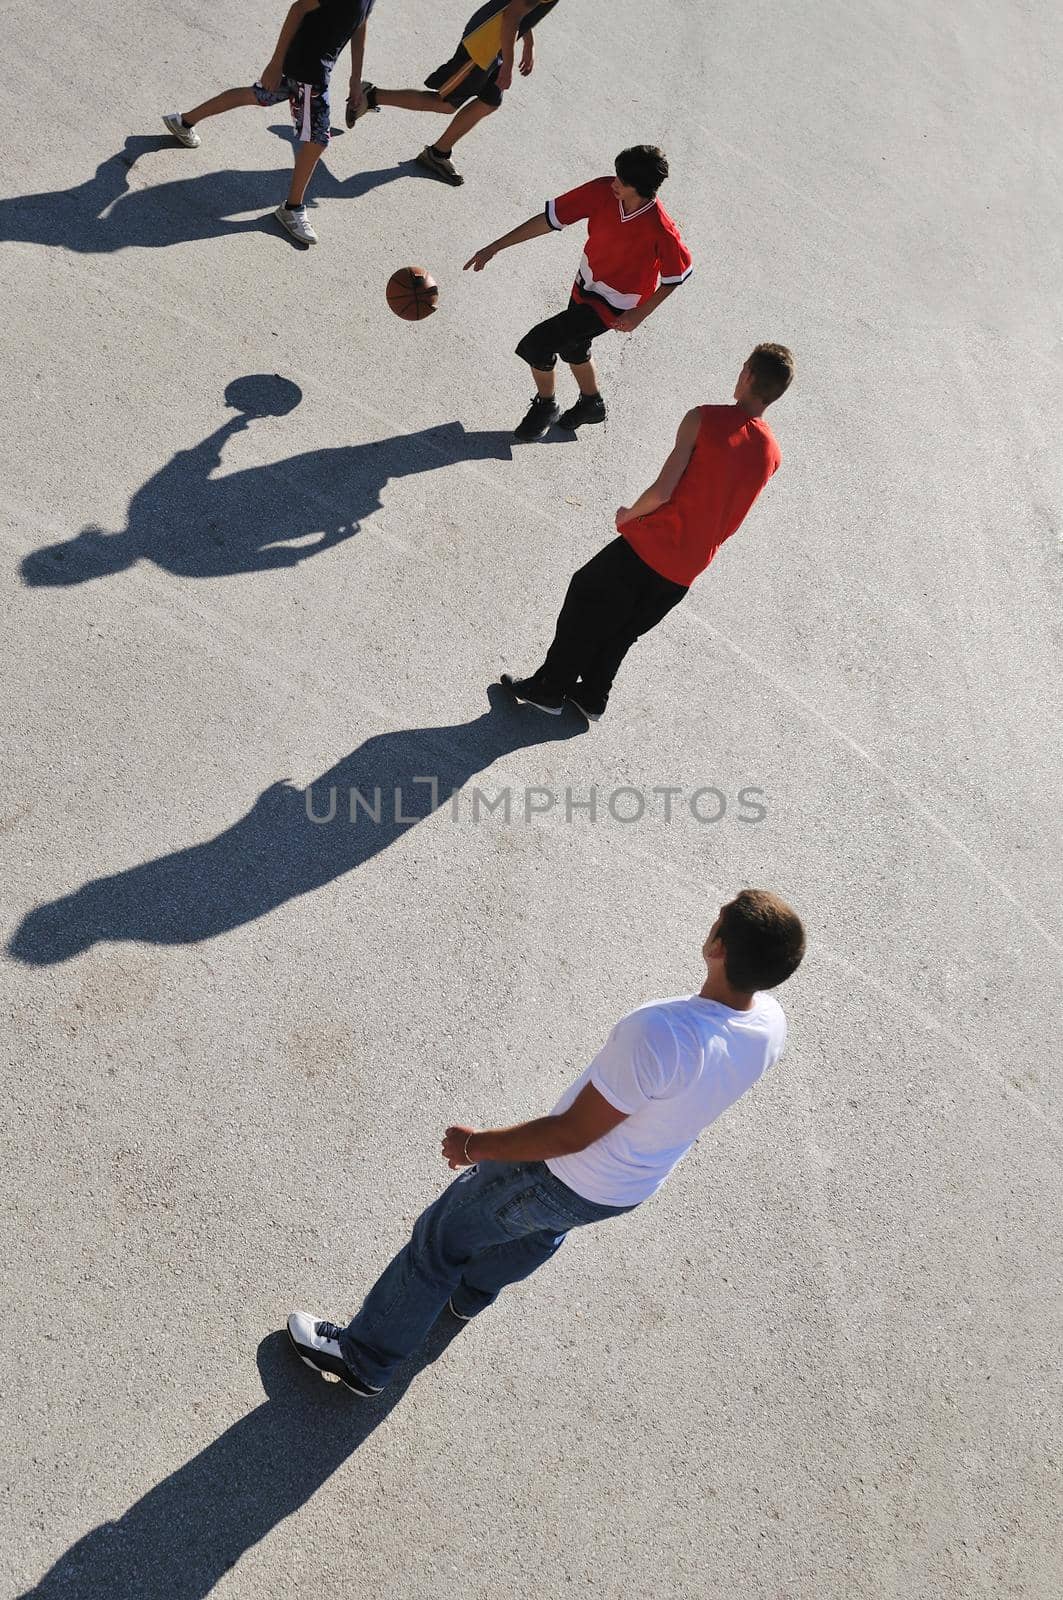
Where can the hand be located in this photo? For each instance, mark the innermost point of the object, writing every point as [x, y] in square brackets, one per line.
[505, 77]
[527, 57]
[628, 322]
[356, 103]
[623, 515]
[454, 1147]
[479, 261]
[271, 78]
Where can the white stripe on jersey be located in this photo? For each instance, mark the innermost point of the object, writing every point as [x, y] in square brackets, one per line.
[619, 302]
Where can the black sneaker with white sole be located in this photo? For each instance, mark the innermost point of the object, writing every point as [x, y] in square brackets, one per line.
[593, 710]
[533, 694]
[540, 416]
[315, 1342]
[462, 1316]
[588, 408]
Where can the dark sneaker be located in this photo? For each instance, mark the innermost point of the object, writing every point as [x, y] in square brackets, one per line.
[315, 1342]
[351, 115]
[533, 694]
[593, 710]
[440, 166]
[541, 414]
[461, 1315]
[588, 408]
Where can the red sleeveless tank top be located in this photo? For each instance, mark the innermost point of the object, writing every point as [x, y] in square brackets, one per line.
[733, 458]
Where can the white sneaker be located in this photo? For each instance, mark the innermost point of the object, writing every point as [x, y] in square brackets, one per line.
[315, 1342]
[296, 222]
[181, 131]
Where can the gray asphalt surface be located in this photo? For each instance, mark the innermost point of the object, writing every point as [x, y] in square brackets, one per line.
[825, 1360]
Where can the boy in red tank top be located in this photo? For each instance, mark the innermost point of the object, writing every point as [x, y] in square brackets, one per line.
[723, 457]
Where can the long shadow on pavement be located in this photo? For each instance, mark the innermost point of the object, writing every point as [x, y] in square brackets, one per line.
[276, 851]
[179, 1541]
[106, 213]
[196, 525]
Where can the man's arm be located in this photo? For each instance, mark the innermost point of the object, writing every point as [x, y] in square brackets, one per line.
[589, 1117]
[354, 93]
[272, 75]
[532, 229]
[667, 481]
[631, 319]
[511, 19]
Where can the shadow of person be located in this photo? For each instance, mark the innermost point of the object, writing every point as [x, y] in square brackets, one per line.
[187, 1532]
[288, 844]
[107, 212]
[197, 525]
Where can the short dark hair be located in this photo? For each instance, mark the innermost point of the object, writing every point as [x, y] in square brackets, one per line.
[643, 167]
[771, 367]
[763, 940]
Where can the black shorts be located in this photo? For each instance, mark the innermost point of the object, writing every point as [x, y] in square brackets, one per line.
[567, 335]
[460, 79]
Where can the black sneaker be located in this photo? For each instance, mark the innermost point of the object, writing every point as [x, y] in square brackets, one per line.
[540, 415]
[593, 710]
[533, 694]
[588, 408]
[315, 1342]
[351, 115]
[439, 166]
[462, 1316]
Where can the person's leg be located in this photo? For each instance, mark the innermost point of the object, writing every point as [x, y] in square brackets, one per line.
[540, 348]
[590, 407]
[545, 380]
[312, 116]
[585, 376]
[306, 159]
[485, 1277]
[654, 597]
[465, 121]
[412, 1290]
[410, 99]
[228, 100]
[491, 1204]
[598, 600]
[465, 1234]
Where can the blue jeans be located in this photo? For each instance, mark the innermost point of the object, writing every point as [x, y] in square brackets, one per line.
[494, 1225]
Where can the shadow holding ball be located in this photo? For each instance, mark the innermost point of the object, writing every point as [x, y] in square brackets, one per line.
[196, 521]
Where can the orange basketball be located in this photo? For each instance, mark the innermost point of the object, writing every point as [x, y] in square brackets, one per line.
[412, 293]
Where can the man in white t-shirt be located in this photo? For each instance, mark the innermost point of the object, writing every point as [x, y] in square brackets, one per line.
[666, 1071]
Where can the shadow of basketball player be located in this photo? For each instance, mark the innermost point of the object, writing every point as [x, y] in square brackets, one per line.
[180, 1539]
[277, 851]
[108, 213]
[197, 525]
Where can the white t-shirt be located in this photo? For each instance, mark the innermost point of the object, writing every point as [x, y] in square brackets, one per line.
[673, 1066]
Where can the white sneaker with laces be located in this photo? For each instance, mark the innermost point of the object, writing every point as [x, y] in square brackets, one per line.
[295, 221]
[181, 132]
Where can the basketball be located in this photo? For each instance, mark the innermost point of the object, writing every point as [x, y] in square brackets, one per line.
[412, 293]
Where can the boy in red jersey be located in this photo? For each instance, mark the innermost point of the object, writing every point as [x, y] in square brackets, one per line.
[633, 260]
[723, 457]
